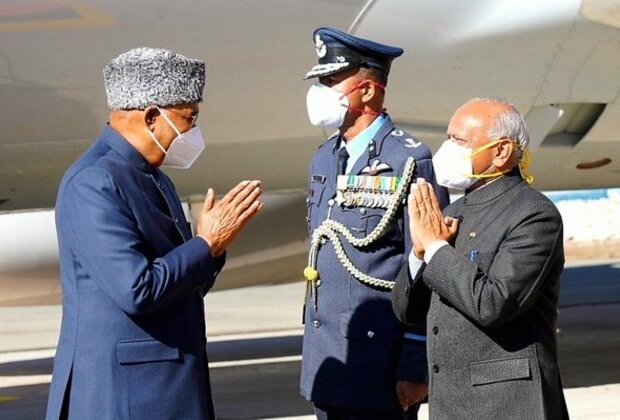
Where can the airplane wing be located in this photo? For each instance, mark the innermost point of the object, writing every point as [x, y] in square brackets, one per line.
[556, 60]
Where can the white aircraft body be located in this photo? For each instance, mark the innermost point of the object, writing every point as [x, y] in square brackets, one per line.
[557, 60]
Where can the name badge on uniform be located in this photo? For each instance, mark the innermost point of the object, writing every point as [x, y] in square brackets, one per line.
[366, 191]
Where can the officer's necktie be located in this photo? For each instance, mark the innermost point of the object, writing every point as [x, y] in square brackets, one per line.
[341, 163]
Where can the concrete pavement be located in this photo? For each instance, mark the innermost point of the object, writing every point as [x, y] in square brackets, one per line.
[255, 343]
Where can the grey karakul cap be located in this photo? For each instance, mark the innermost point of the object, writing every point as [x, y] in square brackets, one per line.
[153, 76]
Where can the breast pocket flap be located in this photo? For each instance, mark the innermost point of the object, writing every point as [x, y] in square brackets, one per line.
[144, 351]
[499, 371]
[315, 189]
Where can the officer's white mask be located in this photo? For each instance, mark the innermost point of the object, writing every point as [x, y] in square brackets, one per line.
[453, 166]
[326, 106]
[184, 149]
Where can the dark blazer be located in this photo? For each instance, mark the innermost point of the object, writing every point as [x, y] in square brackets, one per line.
[353, 350]
[132, 340]
[492, 349]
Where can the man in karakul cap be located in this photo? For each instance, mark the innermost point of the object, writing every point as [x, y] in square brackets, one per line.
[359, 362]
[132, 340]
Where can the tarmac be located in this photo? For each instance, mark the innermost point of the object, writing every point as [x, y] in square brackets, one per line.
[255, 345]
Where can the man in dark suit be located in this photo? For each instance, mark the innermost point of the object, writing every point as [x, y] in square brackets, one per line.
[358, 362]
[492, 261]
[132, 341]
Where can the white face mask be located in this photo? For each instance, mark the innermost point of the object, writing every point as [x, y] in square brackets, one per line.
[184, 149]
[453, 168]
[326, 106]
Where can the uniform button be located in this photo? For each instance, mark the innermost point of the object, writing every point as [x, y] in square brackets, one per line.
[435, 369]
[316, 324]
[370, 334]
[323, 241]
[435, 330]
[363, 210]
[318, 283]
[307, 200]
[331, 202]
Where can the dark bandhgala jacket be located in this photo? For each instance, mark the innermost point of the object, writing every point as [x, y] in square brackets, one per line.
[132, 340]
[491, 343]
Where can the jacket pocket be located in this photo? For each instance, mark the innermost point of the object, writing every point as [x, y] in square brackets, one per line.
[373, 341]
[145, 351]
[483, 260]
[493, 371]
[370, 325]
[362, 221]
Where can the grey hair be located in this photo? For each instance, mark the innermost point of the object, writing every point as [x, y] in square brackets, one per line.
[509, 124]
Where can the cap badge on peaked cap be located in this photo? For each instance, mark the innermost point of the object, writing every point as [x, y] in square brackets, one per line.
[338, 51]
[321, 48]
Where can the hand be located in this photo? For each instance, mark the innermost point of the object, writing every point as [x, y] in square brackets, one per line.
[427, 224]
[221, 221]
[410, 393]
[418, 250]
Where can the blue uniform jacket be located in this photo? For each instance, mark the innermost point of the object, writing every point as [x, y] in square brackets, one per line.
[132, 340]
[354, 349]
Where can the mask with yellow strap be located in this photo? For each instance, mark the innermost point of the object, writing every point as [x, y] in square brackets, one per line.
[453, 167]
